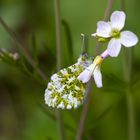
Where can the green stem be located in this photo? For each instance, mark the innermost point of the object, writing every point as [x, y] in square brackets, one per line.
[89, 89]
[127, 67]
[108, 10]
[123, 5]
[84, 112]
[59, 115]
[131, 120]
[58, 32]
[107, 13]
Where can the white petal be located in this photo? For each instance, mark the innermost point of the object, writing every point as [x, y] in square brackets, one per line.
[103, 29]
[97, 77]
[117, 20]
[128, 39]
[114, 47]
[86, 74]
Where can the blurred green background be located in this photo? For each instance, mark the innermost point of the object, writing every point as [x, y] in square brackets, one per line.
[23, 113]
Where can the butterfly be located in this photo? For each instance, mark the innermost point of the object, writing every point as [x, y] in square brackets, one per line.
[64, 90]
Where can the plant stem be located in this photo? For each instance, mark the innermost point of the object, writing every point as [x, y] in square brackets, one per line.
[89, 89]
[123, 5]
[108, 10]
[59, 115]
[58, 32]
[23, 49]
[131, 120]
[107, 13]
[84, 112]
[127, 67]
[60, 124]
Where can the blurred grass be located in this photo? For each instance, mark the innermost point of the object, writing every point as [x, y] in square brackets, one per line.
[21, 117]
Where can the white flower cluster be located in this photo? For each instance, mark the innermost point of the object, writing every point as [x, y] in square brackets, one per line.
[64, 90]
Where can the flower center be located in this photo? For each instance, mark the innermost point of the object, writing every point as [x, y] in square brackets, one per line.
[115, 33]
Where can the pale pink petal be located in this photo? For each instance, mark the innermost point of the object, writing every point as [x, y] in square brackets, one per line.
[86, 74]
[98, 77]
[105, 54]
[103, 29]
[117, 20]
[114, 47]
[128, 39]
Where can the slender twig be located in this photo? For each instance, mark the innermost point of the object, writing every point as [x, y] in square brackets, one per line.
[131, 119]
[23, 49]
[86, 106]
[58, 32]
[60, 123]
[123, 5]
[59, 115]
[107, 12]
[127, 67]
[84, 112]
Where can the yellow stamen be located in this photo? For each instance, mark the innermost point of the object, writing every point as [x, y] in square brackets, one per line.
[98, 60]
[115, 33]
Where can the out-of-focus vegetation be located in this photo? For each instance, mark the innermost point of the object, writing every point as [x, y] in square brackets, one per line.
[23, 113]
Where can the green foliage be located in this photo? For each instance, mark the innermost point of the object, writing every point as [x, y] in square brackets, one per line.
[22, 86]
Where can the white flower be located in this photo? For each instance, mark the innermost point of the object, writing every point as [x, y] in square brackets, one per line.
[112, 30]
[93, 70]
